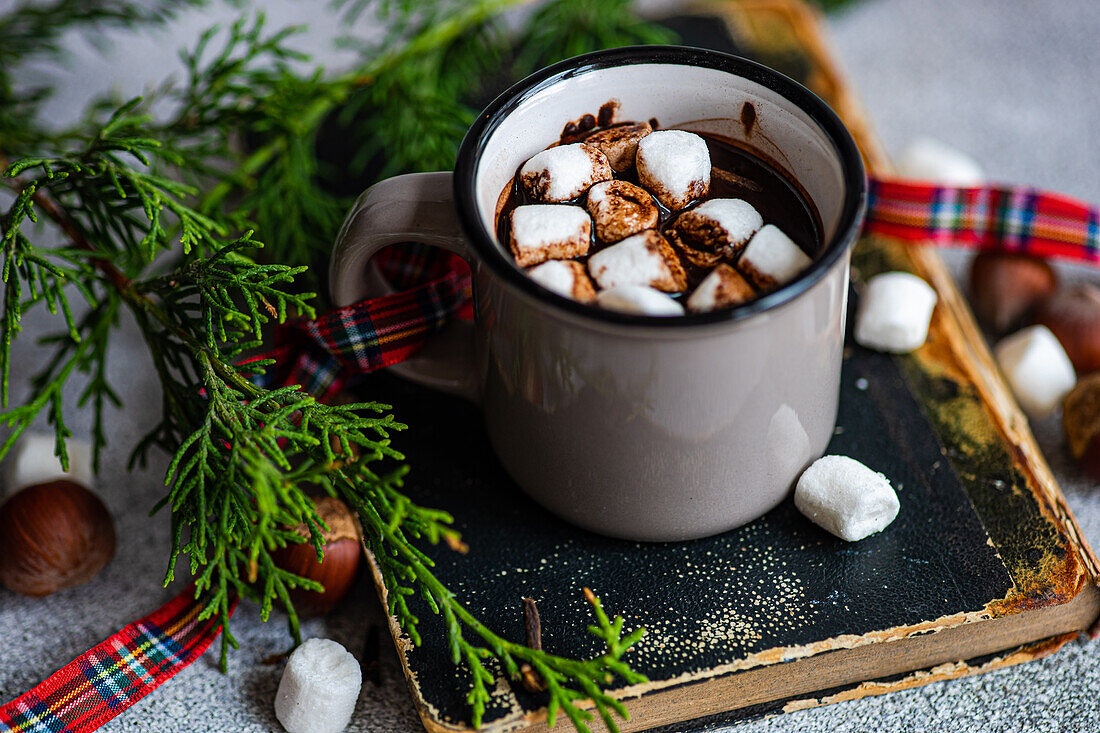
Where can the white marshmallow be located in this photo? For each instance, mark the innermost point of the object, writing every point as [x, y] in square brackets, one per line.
[638, 299]
[844, 497]
[894, 313]
[564, 172]
[564, 277]
[720, 224]
[928, 159]
[771, 259]
[554, 275]
[319, 688]
[543, 232]
[1037, 369]
[722, 287]
[32, 461]
[644, 259]
[674, 166]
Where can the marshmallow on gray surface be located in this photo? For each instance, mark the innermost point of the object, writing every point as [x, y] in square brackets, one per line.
[541, 232]
[620, 209]
[639, 299]
[565, 277]
[844, 497]
[928, 159]
[771, 259]
[894, 312]
[1037, 369]
[32, 461]
[564, 172]
[620, 143]
[644, 259]
[674, 166]
[724, 286]
[719, 225]
[319, 688]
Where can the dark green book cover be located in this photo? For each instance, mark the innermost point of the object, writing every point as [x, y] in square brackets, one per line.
[979, 535]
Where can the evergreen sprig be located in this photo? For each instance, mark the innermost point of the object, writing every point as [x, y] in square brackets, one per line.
[155, 217]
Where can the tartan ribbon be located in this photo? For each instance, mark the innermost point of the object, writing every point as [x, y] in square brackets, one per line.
[113, 675]
[1007, 218]
[433, 286]
[322, 354]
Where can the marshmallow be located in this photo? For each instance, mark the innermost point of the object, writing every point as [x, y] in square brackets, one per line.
[620, 143]
[564, 172]
[619, 209]
[32, 461]
[644, 259]
[844, 497]
[319, 688]
[639, 299]
[724, 286]
[894, 312]
[541, 232]
[697, 257]
[771, 259]
[931, 160]
[565, 277]
[1037, 369]
[674, 166]
[719, 225]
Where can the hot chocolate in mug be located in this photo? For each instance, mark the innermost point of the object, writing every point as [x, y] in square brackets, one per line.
[640, 427]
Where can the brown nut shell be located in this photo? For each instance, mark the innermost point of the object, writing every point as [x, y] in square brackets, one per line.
[1073, 315]
[1006, 287]
[52, 536]
[1081, 421]
[336, 572]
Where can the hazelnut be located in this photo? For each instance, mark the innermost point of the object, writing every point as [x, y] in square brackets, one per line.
[53, 535]
[1006, 287]
[336, 572]
[1081, 420]
[1073, 316]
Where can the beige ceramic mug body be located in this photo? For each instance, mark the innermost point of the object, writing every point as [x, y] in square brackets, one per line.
[639, 427]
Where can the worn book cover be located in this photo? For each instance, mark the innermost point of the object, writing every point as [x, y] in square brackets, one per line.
[984, 566]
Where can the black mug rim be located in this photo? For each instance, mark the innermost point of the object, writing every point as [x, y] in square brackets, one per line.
[496, 259]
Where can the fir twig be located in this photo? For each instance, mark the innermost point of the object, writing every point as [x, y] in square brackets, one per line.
[150, 211]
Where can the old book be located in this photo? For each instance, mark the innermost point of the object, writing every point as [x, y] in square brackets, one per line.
[984, 567]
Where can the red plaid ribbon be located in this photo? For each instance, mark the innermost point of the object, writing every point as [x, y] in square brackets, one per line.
[112, 676]
[323, 354]
[1010, 218]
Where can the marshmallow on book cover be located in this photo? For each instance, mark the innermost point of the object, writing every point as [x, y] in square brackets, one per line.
[719, 225]
[674, 166]
[771, 259]
[620, 209]
[541, 232]
[565, 277]
[620, 143]
[564, 172]
[723, 287]
[846, 498]
[894, 313]
[643, 259]
[319, 688]
[928, 159]
[33, 461]
[1037, 369]
[638, 299]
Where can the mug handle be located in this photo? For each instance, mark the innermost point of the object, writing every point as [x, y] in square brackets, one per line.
[416, 207]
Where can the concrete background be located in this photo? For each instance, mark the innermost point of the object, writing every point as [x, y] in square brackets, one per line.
[1010, 81]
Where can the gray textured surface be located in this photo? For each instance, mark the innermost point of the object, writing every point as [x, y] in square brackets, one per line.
[1011, 82]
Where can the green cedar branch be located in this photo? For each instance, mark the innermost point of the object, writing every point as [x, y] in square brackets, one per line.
[241, 453]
